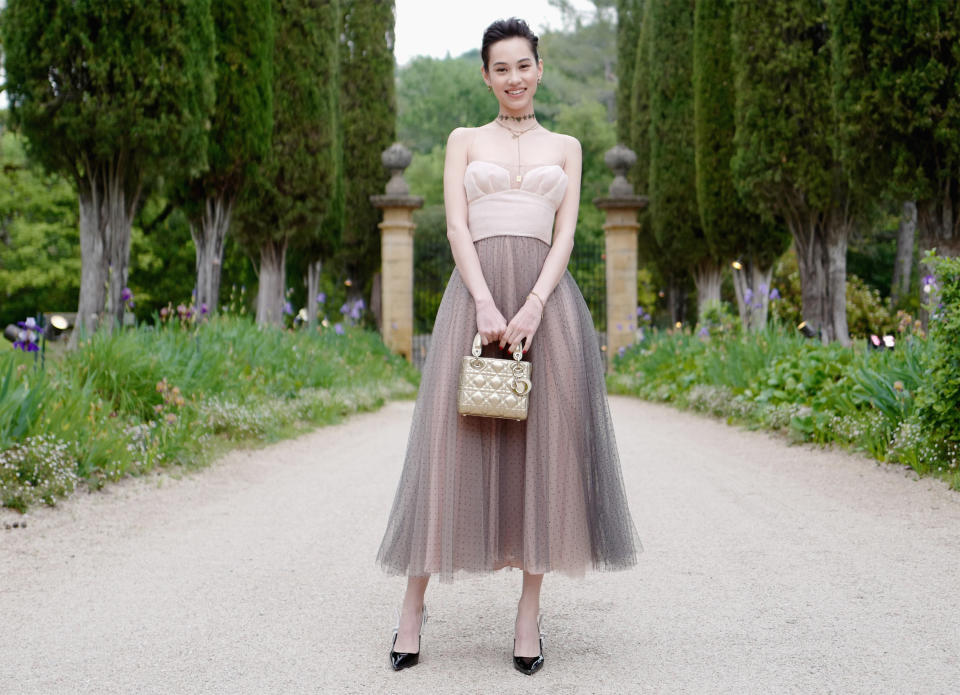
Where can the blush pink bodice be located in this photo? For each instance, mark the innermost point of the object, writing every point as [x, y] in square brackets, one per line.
[496, 209]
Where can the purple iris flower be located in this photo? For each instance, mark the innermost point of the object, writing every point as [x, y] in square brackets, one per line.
[747, 296]
[322, 297]
[774, 295]
[287, 308]
[621, 350]
[704, 332]
[203, 308]
[338, 328]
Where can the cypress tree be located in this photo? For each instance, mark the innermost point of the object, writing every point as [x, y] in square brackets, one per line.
[239, 136]
[896, 77]
[732, 231]
[785, 163]
[629, 14]
[675, 218]
[111, 95]
[369, 127]
[287, 199]
[669, 268]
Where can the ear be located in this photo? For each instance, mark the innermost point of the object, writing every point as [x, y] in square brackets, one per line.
[540, 69]
[485, 75]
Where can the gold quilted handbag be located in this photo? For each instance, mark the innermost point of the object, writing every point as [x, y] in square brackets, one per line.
[492, 387]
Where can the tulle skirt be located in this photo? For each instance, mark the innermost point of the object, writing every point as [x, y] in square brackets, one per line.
[545, 494]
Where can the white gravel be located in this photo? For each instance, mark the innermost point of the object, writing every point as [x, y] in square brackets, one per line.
[767, 569]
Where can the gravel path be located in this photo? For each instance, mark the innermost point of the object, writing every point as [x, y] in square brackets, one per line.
[767, 569]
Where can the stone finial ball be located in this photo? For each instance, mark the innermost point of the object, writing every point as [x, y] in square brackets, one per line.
[620, 158]
[396, 157]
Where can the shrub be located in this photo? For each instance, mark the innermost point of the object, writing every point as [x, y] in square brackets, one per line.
[939, 400]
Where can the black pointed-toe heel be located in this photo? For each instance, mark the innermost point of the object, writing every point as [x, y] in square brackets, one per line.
[529, 664]
[401, 660]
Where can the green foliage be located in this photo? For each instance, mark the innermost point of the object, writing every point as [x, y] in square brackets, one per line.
[867, 312]
[162, 395]
[939, 402]
[425, 176]
[775, 379]
[435, 96]
[674, 217]
[896, 77]
[240, 128]
[577, 67]
[731, 230]
[243, 119]
[39, 247]
[784, 120]
[287, 197]
[369, 127]
[92, 81]
[629, 15]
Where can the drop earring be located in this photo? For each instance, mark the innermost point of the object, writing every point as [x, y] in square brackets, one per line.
[489, 88]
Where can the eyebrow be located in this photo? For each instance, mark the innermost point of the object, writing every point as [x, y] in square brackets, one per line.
[503, 62]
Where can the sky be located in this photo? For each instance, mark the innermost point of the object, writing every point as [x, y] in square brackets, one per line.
[435, 28]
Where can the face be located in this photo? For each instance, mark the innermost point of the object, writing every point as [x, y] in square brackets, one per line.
[513, 74]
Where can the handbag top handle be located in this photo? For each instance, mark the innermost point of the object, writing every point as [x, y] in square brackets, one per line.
[518, 355]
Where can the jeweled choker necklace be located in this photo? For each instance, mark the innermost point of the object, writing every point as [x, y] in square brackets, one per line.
[508, 117]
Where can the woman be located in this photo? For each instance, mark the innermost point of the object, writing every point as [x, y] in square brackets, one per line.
[479, 494]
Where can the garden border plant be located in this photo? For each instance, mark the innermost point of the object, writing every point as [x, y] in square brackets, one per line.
[900, 405]
[176, 394]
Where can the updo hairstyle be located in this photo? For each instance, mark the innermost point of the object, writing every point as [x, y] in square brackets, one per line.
[507, 29]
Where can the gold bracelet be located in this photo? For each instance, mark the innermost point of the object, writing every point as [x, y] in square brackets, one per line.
[534, 294]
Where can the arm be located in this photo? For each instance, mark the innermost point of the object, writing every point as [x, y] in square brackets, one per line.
[527, 319]
[490, 322]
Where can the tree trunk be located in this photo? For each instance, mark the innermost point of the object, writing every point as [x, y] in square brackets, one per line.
[208, 240]
[674, 299]
[837, 233]
[273, 257]
[751, 284]
[707, 276]
[107, 203]
[93, 263]
[821, 243]
[810, 255]
[900, 286]
[938, 223]
[313, 289]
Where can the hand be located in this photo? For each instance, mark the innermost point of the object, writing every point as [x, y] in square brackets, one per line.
[523, 325]
[490, 322]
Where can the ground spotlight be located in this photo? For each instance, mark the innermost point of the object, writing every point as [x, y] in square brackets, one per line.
[737, 265]
[56, 325]
[806, 330]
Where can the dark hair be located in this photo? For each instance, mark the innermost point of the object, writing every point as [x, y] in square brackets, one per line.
[507, 29]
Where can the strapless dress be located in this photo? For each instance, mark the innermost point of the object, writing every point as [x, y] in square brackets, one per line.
[480, 494]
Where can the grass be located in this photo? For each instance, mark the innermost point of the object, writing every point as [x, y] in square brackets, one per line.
[126, 403]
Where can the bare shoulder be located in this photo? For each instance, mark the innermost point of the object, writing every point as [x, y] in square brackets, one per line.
[570, 145]
[567, 144]
[461, 136]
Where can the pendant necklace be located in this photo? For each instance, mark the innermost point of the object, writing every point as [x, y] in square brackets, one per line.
[516, 136]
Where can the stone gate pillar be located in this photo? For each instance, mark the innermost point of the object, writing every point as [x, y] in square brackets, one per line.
[396, 252]
[621, 206]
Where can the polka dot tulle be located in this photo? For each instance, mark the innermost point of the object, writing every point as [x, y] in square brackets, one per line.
[479, 494]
